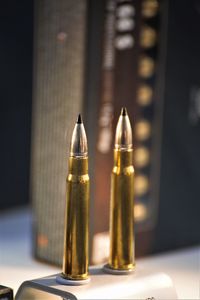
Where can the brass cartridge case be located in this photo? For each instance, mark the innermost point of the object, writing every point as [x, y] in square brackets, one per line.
[121, 212]
[75, 260]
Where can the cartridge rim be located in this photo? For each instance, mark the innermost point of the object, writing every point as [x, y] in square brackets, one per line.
[110, 270]
[68, 281]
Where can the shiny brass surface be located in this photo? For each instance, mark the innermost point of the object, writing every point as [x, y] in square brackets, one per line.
[75, 260]
[121, 256]
[121, 211]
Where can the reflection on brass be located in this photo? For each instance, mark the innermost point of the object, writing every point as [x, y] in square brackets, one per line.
[144, 95]
[141, 157]
[147, 37]
[141, 185]
[121, 217]
[140, 212]
[75, 260]
[146, 67]
[149, 8]
[142, 130]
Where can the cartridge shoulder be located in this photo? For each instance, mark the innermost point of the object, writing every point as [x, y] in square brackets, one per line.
[79, 179]
[123, 171]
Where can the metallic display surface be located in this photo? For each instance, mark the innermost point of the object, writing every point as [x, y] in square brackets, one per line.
[6, 293]
[75, 260]
[121, 209]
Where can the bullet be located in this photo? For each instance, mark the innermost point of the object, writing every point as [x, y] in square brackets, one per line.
[121, 258]
[75, 258]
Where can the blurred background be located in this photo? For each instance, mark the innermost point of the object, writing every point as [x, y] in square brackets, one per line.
[59, 58]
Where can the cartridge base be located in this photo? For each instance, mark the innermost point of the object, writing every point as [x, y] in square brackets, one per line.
[61, 280]
[109, 270]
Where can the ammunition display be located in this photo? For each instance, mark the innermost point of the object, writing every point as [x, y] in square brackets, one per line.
[141, 157]
[149, 8]
[75, 260]
[148, 37]
[121, 210]
[142, 130]
[146, 67]
[144, 95]
[141, 185]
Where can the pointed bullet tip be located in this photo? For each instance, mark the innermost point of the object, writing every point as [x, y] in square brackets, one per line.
[124, 111]
[79, 119]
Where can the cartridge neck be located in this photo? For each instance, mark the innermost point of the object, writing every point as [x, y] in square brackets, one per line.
[123, 158]
[78, 165]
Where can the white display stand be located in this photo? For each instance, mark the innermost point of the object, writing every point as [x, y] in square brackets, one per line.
[139, 285]
[17, 264]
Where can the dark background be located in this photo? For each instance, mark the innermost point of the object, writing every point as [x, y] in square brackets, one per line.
[178, 223]
[16, 53]
[178, 220]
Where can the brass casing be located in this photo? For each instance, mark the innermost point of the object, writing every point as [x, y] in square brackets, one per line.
[121, 211]
[75, 260]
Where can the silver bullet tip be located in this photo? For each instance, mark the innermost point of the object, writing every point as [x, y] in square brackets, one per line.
[123, 136]
[79, 146]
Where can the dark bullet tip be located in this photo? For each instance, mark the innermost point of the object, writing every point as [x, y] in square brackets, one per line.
[79, 120]
[124, 111]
